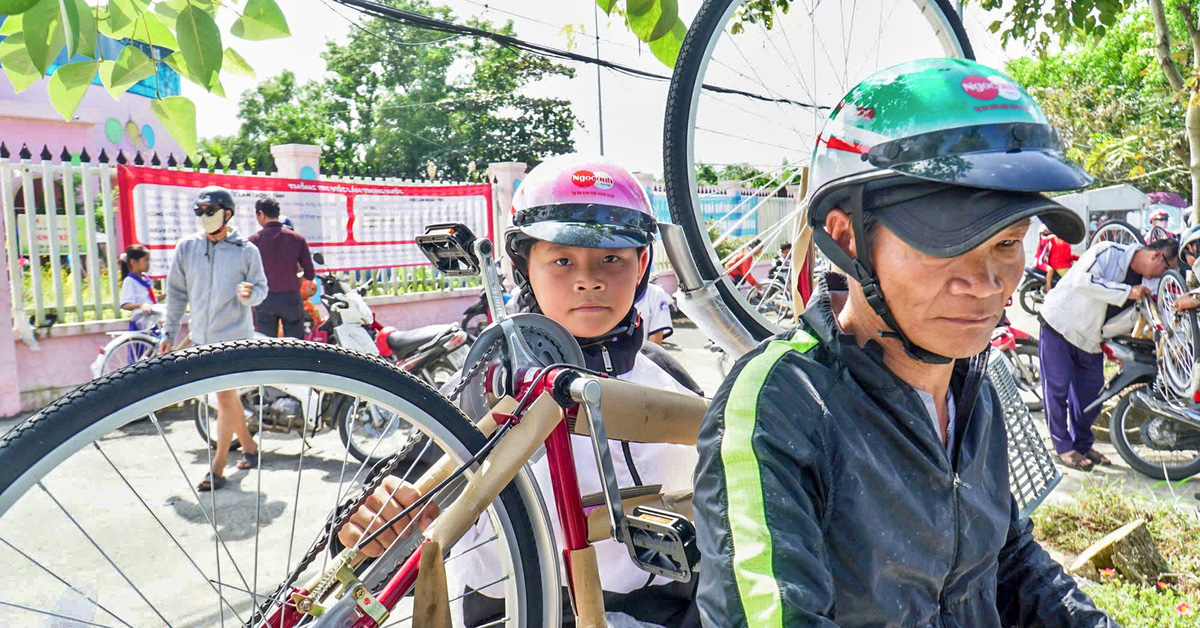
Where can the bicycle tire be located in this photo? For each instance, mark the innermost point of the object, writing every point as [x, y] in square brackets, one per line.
[1117, 433]
[82, 418]
[1176, 372]
[1130, 235]
[678, 169]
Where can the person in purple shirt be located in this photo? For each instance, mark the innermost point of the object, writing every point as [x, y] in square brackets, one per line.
[283, 251]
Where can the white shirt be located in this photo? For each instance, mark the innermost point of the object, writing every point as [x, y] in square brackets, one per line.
[136, 293]
[1077, 305]
[655, 308]
[656, 463]
[930, 407]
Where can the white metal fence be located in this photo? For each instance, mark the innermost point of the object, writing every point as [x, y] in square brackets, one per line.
[61, 225]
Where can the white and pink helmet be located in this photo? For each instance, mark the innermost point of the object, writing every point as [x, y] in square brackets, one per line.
[582, 201]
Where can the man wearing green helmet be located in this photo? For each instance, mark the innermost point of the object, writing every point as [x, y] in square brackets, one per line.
[854, 471]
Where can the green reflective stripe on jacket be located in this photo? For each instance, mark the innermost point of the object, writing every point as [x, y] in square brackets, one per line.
[752, 550]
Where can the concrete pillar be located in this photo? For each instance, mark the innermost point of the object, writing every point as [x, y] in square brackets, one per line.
[506, 177]
[10, 388]
[297, 161]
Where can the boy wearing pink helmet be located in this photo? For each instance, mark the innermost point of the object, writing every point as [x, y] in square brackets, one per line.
[580, 245]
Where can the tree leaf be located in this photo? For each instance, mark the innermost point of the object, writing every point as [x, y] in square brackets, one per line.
[169, 11]
[200, 43]
[68, 84]
[150, 29]
[130, 67]
[44, 36]
[651, 19]
[123, 15]
[237, 64]
[176, 62]
[69, 14]
[666, 48]
[261, 19]
[13, 7]
[607, 5]
[87, 29]
[12, 25]
[14, 59]
[178, 116]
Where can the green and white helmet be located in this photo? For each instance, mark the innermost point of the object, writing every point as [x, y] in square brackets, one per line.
[945, 153]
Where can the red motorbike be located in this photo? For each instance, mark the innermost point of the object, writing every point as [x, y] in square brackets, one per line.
[1021, 352]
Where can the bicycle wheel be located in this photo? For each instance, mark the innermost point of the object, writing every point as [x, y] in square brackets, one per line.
[749, 96]
[1152, 444]
[100, 522]
[1029, 373]
[1117, 231]
[1179, 337]
[128, 349]
[371, 432]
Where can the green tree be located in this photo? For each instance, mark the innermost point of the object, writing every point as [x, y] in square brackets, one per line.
[1116, 114]
[37, 31]
[398, 98]
[1173, 35]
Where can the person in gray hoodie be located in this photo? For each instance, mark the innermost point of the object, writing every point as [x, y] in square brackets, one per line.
[220, 274]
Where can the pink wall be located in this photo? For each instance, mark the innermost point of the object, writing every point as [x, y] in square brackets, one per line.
[63, 360]
[29, 118]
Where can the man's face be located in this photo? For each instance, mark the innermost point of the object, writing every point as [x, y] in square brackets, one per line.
[1161, 222]
[1149, 263]
[588, 291]
[950, 305]
[260, 217]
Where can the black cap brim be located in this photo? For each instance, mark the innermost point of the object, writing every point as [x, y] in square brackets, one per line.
[587, 235]
[953, 220]
[1024, 170]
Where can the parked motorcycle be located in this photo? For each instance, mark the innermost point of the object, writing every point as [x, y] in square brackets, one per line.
[1020, 351]
[1157, 434]
[433, 352]
[1032, 292]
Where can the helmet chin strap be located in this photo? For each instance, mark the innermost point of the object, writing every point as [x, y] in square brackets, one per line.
[862, 270]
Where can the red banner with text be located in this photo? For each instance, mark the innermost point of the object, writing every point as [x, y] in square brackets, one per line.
[355, 225]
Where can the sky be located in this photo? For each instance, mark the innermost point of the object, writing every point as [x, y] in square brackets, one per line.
[632, 108]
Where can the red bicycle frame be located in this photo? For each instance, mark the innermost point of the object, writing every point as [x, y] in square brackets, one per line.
[567, 499]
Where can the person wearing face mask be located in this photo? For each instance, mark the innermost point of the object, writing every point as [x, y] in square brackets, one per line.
[220, 275]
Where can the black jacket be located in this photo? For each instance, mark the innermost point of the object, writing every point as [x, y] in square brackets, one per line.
[824, 496]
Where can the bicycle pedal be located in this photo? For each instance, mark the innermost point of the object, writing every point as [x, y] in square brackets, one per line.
[662, 543]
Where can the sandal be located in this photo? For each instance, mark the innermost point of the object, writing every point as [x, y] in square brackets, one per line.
[248, 461]
[1098, 458]
[211, 482]
[1076, 460]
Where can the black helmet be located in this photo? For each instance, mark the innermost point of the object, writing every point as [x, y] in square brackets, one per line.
[215, 195]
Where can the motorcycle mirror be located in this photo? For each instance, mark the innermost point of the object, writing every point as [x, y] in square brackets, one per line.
[319, 258]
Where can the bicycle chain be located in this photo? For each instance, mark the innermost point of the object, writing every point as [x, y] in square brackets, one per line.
[348, 508]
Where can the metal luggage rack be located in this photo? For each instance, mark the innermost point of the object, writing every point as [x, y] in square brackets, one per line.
[1032, 474]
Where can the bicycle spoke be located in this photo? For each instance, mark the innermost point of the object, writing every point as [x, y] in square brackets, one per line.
[49, 614]
[262, 441]
[154, 419]
[164, 528]
[212, 495]
[104, 554]
[461, 596]
[64, 582]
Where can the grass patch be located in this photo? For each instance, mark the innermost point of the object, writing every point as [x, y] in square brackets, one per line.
[1104, 507]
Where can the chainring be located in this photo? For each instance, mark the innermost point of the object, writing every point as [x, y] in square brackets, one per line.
[549, 341]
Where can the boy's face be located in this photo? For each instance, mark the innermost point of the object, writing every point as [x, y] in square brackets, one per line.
[588, 291]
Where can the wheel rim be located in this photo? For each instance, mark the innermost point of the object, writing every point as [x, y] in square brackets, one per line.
[1115, 231]
[1179, 346]
[810, 71]
[1132, 422]
[191, 519]
[128, 352]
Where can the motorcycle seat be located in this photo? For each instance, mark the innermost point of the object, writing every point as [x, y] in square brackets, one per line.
[406, 342]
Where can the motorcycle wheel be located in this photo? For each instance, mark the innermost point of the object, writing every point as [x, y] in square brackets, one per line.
[1125, 426]
[1033, 293]
[1027, 355]
[367, 441]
